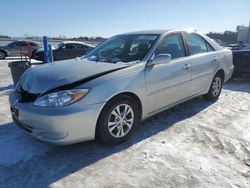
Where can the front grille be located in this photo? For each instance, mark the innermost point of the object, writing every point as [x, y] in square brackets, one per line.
[25, 96]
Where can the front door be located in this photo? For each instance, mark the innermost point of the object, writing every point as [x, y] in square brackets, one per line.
[170, 82]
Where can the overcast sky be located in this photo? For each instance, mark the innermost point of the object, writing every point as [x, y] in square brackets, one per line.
[108, 17]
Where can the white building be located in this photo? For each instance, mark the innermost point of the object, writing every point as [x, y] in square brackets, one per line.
[243, 34]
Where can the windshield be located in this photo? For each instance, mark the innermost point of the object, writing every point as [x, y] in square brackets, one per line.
[60, 45]
[123, 48]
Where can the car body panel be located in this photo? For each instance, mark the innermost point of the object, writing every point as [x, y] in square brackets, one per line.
[171, 80]
[157, 87]
[68, 72]
[18, 48]
[65, 125]
[203, 67]
[241, 60]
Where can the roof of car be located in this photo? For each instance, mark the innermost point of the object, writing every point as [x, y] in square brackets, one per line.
[25, 41]
[159, 31]
[75, 42]
[165, 31]
[148, 32]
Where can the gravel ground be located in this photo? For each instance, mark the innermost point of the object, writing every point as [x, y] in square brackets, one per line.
[196, 144]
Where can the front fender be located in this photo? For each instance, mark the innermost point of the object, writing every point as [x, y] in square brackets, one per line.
[112, 86]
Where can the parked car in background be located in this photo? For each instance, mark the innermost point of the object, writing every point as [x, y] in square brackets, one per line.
[18, 48]
[65, 50]
[122, 81]
[241, 60]
[235, 46]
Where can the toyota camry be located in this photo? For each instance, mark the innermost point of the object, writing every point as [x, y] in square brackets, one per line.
[124, 80]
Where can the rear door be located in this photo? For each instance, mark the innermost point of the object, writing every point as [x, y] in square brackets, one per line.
[204, 61]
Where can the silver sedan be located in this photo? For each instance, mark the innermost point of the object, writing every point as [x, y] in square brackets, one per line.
[122, 81]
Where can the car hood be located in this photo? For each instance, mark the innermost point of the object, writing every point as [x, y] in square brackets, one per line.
[43, 78]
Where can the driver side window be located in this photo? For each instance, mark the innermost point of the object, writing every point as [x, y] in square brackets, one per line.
[13, 44]
[173, 45]
[69, 46]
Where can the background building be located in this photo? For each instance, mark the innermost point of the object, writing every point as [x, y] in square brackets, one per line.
[243, 34]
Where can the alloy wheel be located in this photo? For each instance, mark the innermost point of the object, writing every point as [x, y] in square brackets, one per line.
[120, 120]
[216, 86]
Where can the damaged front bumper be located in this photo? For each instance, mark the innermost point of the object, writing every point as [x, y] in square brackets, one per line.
[61, 125]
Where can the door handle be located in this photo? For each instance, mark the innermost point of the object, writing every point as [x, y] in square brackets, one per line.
[214, 59]
[187, 66]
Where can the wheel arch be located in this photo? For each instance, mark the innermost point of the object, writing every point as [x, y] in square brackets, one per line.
[222, 73]
[4, 51]
[126, 93]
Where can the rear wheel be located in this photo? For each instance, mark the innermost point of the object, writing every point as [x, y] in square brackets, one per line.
[2, 55]
[215, 88]
[117, 120]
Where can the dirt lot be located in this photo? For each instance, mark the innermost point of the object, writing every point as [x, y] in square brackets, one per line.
[196, 144]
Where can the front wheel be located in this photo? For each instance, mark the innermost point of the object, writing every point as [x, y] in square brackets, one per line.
[215, 88]
[117, 120]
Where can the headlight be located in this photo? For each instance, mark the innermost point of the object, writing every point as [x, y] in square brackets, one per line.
[61, 98]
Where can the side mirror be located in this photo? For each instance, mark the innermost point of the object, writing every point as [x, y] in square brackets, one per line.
[160, 59]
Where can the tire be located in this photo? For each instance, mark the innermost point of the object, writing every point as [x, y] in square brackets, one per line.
[215, 88]
[112, 129]
[2, 55]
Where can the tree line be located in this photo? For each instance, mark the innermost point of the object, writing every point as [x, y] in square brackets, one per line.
[5, 37]
[225, 37]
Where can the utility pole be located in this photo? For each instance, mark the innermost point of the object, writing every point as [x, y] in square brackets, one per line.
[46, 49]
